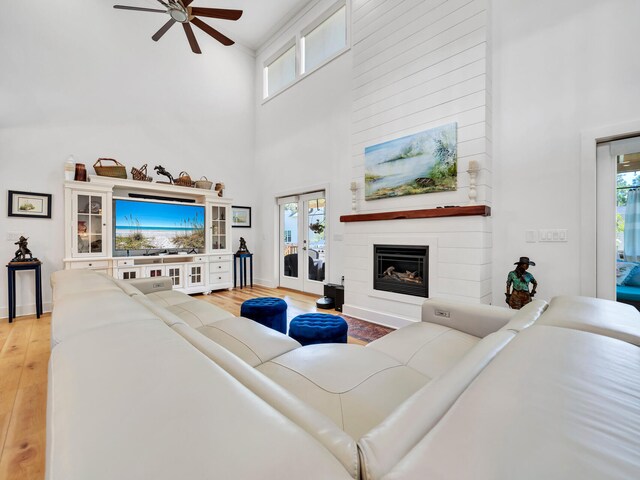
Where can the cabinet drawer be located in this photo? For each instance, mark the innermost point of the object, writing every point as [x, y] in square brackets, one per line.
[219, 258]
[91, 264]
[219, 267]
[126, 263]
[222, 277]
[199, 259]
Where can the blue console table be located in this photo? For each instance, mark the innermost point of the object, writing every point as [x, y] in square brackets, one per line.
[240, 266]
[12, 268]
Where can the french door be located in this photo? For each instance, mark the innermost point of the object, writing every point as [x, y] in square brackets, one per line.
[617, 237]
[303, 248]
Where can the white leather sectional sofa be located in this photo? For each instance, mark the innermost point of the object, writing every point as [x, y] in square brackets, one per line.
[147, 383]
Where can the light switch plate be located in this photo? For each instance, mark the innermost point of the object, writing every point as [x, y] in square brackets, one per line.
[553, 235]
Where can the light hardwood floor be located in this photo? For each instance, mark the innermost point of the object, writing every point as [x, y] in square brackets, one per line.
[24, 358]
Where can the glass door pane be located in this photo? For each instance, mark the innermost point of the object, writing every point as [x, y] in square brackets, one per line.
[289, 213]
[90, 224]
[316, 222]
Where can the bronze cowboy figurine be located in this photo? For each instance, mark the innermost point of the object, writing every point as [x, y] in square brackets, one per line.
[23, 251]
[520, 280]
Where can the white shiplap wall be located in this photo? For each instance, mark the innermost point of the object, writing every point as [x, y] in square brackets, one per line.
[419, 64]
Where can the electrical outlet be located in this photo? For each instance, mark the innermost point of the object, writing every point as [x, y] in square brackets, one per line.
[13, 236]
[442, 313]
[531, 236]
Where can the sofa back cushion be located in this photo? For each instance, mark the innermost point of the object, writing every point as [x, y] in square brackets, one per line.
[554, 404]
[389, 442]
[472, 318]
[604, 317]
[74, 281]
[137, 401]
[526, 316]
[341, 445]
[75, 313]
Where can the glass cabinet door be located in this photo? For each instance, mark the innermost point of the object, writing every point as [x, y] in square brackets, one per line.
[89, 224]
[218, 227]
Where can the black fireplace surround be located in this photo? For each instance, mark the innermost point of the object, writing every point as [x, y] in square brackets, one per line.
[401, 269]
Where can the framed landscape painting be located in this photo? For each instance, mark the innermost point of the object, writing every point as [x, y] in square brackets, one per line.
[424, 162]
[241, 217]
[26, 204]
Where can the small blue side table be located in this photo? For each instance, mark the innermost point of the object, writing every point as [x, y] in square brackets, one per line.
[241, 259]
[12, 268]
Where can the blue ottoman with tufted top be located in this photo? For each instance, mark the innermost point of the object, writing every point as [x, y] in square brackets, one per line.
[311, 328]
[268, 311]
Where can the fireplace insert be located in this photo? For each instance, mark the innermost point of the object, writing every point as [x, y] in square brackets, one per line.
[401, 269]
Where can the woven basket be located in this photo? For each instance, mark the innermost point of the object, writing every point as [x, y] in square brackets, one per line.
[184, 180]
[204, 183]
[140, 174]
[116, 171]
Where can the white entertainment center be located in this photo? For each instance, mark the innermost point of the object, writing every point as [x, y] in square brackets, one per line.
[90, 234]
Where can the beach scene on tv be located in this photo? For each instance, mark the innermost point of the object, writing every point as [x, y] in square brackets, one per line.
[158, 226]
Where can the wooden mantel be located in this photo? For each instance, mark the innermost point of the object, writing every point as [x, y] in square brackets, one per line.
[483, 210]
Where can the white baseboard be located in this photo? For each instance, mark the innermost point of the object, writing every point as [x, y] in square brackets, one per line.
[22, 310]
[265, 283]
[385, 319]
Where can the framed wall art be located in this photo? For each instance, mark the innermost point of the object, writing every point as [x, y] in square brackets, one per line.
[424, 162]
[241, 217]
[29, 204]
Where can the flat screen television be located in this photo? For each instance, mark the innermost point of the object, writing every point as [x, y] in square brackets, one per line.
[142, 226]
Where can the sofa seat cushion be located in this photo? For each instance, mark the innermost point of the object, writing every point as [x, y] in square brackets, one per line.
[595, 315]
[354, 386]
[198, 313]
[426, 347]
[137, 401]
[555, 403]
[252, 342]
[193, 311]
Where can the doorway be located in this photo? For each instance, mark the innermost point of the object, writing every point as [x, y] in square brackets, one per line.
[618, 219]
[303, 246]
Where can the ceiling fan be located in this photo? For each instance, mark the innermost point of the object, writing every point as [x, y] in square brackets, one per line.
[181, 11]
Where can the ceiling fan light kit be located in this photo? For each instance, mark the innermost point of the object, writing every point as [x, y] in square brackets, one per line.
[180, 11]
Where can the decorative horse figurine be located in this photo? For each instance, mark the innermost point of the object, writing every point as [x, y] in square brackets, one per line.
[23, 251]
[160, 170]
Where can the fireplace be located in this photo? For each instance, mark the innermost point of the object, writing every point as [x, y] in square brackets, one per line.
[401, 269]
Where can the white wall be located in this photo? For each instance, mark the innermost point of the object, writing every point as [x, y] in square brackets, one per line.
[302, 142]
[420, 64]
[560, 69]
[88, 80]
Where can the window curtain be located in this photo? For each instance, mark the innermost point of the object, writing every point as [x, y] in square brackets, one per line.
[632, 227]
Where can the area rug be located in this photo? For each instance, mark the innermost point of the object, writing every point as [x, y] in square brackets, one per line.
[365, 331]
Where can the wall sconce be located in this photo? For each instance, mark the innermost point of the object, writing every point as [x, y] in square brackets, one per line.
[473, 170]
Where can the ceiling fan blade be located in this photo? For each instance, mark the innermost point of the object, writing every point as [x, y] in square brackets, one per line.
[186, 3]
[163, 30]
[195, 48]
[222, 13]
[125, 7]
[212, 31]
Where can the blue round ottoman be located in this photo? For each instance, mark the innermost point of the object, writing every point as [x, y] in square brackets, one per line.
[268, 311]
[312, 328]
